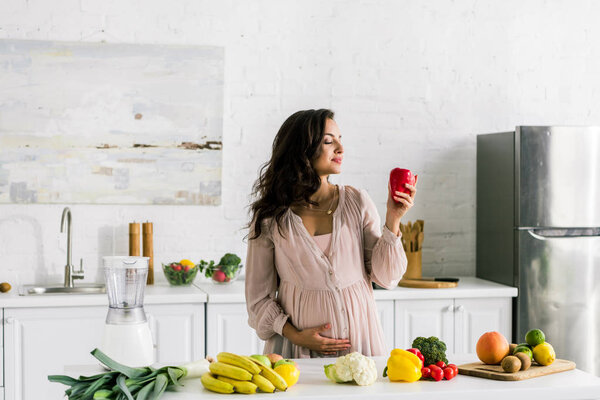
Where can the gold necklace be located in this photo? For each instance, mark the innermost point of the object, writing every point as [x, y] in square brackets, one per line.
[330, 209]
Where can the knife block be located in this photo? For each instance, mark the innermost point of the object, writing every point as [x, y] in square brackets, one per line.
[414, 270]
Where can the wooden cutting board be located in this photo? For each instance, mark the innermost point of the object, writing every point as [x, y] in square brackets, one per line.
[413, 283]
[496, 372]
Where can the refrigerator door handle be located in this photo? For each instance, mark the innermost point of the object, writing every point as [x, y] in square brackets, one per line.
[563, 233]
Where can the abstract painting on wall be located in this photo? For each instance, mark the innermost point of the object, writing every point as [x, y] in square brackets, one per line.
[103, 123]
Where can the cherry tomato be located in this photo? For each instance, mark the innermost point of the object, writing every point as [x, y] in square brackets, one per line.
[441, 364]
[437, 374]
[455, 368]
[425, 372]
[433, 367]
[448, 373]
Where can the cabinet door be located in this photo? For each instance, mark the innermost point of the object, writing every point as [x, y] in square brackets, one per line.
[474, 317]
[424, 318]
[177, 332]
[227, 329]
[385, 309]
[41, 341]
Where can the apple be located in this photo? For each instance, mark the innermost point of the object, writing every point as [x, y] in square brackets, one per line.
[273, 357]
[399, 177]
[285, 361]
[264, 360]
[219, 276]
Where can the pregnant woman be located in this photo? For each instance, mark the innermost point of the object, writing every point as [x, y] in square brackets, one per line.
[314, 248]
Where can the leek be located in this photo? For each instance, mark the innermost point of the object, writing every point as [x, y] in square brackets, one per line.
[127, 383]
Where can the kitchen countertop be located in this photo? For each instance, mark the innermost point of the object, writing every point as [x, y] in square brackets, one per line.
[468, 287]
[313, 384]
[204, 291]
[160, 293]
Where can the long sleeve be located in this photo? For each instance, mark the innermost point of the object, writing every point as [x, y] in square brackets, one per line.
[265, 314]
[385, 259]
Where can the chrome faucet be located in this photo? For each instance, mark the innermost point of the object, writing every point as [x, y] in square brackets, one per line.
[70, 272]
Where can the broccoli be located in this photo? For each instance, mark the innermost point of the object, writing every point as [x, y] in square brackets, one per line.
[230, 259]
[432, 348]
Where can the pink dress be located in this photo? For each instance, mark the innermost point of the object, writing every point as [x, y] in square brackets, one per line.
[291, 278]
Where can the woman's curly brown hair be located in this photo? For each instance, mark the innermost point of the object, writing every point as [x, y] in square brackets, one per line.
[289, 178]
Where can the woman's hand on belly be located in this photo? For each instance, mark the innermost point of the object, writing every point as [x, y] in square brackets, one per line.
[311, 339]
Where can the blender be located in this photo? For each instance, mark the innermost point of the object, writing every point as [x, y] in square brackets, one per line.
[127, 338]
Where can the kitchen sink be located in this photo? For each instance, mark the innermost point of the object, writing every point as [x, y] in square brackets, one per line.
[55, 289]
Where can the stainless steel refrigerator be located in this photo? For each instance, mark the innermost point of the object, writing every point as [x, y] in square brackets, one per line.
[538, 229]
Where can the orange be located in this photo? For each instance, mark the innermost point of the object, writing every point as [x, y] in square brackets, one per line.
[289, 373]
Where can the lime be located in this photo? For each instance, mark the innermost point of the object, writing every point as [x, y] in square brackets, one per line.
[524, 349]
[535, 337]
[544, 354]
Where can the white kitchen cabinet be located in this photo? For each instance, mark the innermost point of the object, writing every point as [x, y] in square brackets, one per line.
[177, 331]
[424, 318]
[227, 329]
[457, 322]
[474, 317]
[42, 341]
[2, 354]
[385, 309]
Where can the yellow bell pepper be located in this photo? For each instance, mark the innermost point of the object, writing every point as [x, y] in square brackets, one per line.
[403, 366]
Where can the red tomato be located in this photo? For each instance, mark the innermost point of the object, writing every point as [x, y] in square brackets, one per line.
[417, 352]
[449, 373]
[441, 364]
[186, 268]
[399, 177]
[433, 367]
[455, 368]
[176, 267]
[437, 374]
[425, 372]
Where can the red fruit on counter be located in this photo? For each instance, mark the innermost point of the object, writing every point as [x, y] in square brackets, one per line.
[441, 364]
[433, 367]
[417, 353]
[448, 373]
[398, 178]
[437, 374]
[455, 368]
[219, 276]
[425, 372]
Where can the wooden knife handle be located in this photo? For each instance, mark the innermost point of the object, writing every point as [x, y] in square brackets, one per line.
[147, 232]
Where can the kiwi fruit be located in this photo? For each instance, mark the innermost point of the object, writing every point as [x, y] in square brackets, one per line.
[512, 347]
[525, 361]
[4, 287]
[511, 364]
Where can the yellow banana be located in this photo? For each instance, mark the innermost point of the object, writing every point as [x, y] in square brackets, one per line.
[230, 371]
[214, 385]
[239, 386]
[271, 375]
[263, 383]
[238, 361]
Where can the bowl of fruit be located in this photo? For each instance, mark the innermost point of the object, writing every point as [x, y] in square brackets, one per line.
[180, 273]
[224, 272]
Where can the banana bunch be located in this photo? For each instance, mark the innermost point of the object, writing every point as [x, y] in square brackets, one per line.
[241, 374]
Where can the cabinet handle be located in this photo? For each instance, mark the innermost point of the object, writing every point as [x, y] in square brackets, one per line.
[450, 308]
[460, 308]
[9, 320]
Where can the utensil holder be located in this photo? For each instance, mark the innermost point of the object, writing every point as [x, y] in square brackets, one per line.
[414, 269]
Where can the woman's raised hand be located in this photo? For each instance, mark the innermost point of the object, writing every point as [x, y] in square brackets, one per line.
[311, 339]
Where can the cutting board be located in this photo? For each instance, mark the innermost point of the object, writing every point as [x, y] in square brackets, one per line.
[413, 283]
[496, 372]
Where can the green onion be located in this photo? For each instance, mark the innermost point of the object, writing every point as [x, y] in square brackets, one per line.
[127, 383]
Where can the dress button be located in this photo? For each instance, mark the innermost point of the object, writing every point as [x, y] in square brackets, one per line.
[330, 272]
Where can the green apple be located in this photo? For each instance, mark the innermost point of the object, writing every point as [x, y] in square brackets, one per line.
[285, 361]
[264, 360]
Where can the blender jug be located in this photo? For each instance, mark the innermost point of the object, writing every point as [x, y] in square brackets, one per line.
[127, 338]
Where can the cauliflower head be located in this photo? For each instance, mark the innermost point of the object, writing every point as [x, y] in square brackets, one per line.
[355, 367]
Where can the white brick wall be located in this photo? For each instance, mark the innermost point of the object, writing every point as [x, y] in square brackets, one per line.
[412, 83]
